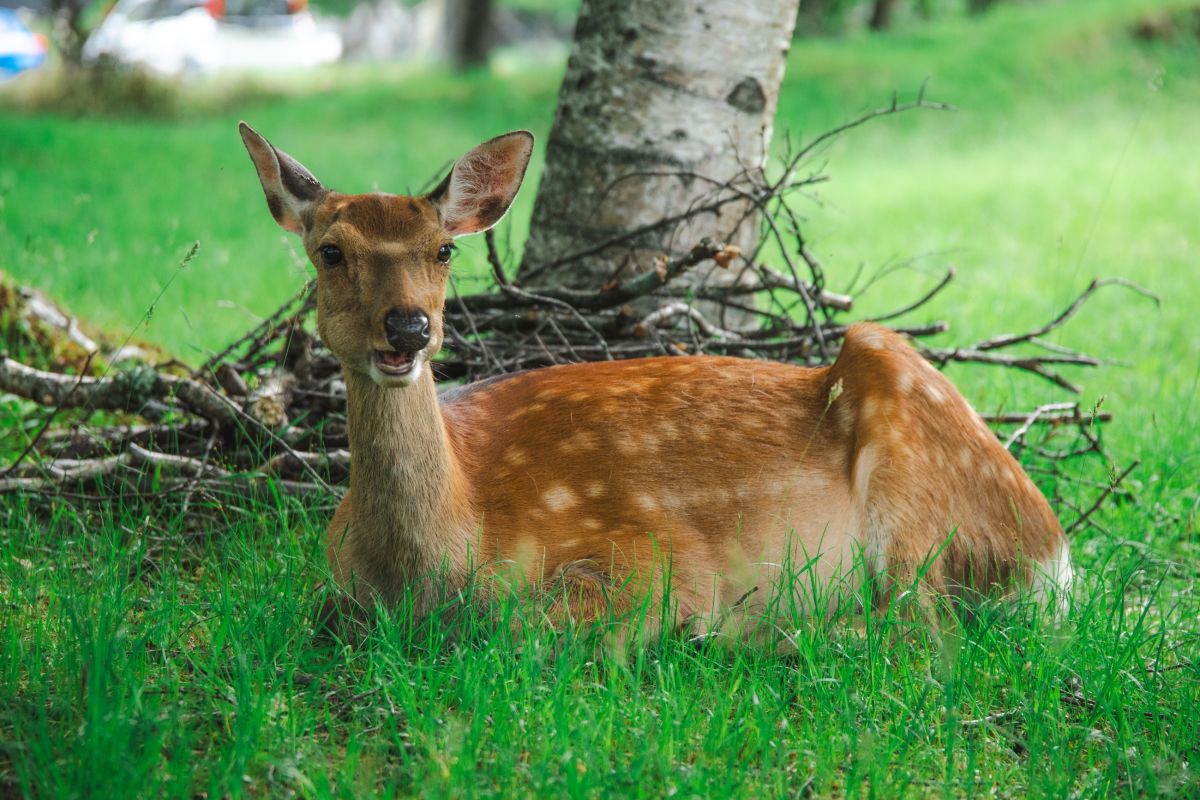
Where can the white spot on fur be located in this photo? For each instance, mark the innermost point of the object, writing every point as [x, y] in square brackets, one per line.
[756, 421]
[671, 501]
[965, 458]
[872, 338]
[580, 440]
[905, 381]
[646, 502]
[626, 445]
[594, 489]
[934, 393]
[591, 523]
[845, 417]
[867, 409]
[558, 498]
[522, 411]
[864, 465]
[515, 456]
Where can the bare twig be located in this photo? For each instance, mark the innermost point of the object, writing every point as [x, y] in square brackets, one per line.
[1050, 408]
[209, 438]
[920, 301]
[1010, 339]
[1112, 486]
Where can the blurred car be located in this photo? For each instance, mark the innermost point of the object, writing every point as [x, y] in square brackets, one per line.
[181, 37]
[20, 48]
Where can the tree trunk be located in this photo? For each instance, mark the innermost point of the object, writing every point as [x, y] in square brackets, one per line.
[656, 94]
[471, 32]
[67, 30]
[881, 14]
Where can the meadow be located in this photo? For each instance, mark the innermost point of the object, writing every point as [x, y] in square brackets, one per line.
[141, 657]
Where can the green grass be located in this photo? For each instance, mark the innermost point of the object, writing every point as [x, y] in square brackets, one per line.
[140, 667]
[140, 656]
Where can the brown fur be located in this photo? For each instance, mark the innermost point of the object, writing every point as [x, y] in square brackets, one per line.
[714, 472]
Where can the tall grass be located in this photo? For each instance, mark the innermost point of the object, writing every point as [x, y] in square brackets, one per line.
[151, 659]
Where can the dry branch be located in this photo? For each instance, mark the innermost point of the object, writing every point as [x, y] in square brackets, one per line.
[269, 409]
[124, 391]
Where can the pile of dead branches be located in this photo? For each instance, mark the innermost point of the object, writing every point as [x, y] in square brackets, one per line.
[267, 413]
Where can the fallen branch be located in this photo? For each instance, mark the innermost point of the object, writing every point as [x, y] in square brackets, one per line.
[1010, 339]
[37, 437]
[1040, 412]
[125, 391]
[1095, 506]
[269, 409]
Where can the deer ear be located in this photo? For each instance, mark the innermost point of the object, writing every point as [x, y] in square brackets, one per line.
[291, 189]
[481, 186]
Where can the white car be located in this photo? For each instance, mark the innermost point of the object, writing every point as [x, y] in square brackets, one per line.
[187, 37]
[19, 48]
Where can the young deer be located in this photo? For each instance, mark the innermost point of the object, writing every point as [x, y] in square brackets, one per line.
[603, 478]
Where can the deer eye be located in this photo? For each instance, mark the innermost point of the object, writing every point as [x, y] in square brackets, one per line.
[331, 254]
[444, 253]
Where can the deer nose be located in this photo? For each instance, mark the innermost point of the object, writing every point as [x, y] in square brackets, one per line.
[406, 331]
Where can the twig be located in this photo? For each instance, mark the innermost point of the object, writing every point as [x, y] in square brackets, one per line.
[1050, 408]
[991, 719]
[257, 331]
[1046, 417]
[920, 301]
[1083, 518]
[781, 311]
[894, 108]
[493, 257]
[1066, 314]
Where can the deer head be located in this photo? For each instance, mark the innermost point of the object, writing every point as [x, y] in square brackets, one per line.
[383, 260]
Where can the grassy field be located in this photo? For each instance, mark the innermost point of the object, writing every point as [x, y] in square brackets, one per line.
[140, 658]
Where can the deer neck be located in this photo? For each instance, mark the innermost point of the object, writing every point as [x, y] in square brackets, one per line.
[409, 499]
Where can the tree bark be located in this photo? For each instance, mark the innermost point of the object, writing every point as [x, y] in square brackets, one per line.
[656, 95]
[881, 14]
[471, 32]
[68, 29]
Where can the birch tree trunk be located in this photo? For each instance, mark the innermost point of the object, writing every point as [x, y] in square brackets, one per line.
[656, 93]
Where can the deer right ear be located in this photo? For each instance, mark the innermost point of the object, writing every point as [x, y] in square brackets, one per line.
[482, 184]
[291, 190]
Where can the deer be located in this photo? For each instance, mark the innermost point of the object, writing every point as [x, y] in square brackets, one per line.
[611, 480]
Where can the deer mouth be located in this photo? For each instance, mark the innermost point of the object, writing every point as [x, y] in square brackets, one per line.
[392, 363]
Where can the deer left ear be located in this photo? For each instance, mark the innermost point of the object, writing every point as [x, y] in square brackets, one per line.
[290, 188]
[480, 188]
